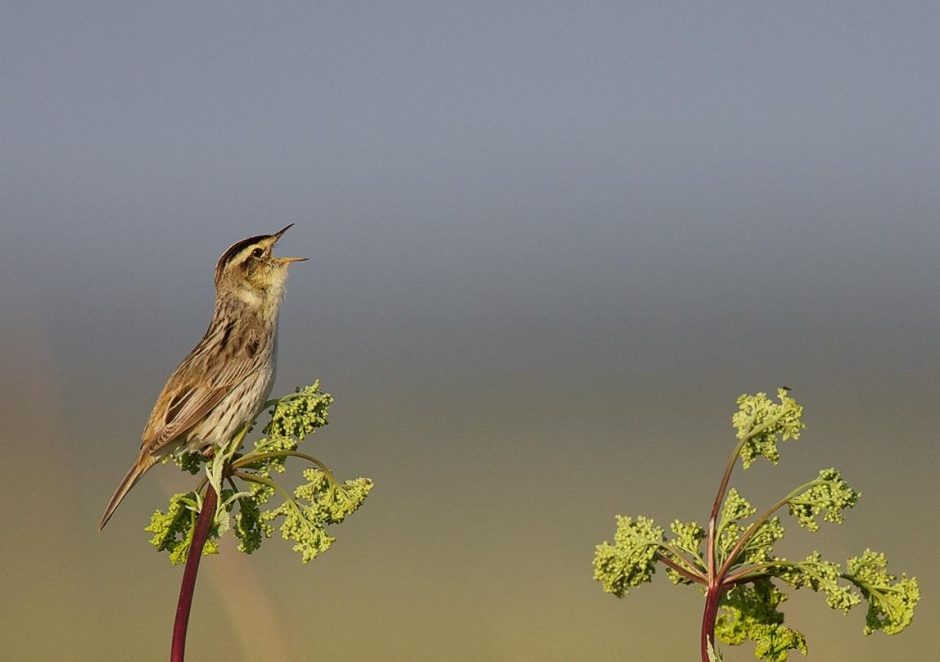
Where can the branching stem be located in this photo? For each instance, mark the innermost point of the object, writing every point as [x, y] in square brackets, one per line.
[714, 578]
[759, 522]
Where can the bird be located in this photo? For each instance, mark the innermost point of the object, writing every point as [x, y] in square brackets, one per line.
[227, 377]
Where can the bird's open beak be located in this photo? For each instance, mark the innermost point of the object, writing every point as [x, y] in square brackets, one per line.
[286, 260]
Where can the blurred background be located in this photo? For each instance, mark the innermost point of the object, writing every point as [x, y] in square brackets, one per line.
[550, 244]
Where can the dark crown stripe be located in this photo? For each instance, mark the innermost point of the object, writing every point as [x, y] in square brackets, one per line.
[239, 246]
[234, 250]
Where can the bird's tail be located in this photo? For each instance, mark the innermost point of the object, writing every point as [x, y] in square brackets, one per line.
[141, 466]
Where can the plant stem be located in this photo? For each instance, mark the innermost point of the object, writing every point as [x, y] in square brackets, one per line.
[685, 572]
[200, 534]
[712, 600]
[713, 578]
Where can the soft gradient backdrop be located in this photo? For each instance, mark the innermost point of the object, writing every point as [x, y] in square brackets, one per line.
[550, 244]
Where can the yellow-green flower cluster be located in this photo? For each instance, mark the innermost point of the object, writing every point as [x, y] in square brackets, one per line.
[760, 423]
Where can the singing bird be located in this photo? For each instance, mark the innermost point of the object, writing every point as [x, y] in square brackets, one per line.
[227, 377]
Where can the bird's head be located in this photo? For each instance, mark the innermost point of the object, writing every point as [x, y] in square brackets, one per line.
[248, 269]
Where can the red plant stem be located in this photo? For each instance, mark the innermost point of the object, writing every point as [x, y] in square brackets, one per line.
[200, 534]
[712, 600]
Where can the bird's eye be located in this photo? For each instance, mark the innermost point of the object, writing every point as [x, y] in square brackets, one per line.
[257, 253]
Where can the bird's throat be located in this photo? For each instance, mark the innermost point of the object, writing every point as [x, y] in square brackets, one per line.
[250, 297]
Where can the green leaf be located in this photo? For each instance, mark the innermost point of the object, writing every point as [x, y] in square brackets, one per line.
[713, 655]
[891, 601]
[173, 531]
[734, 509]
[317, 504]
[631, 560]
[821, 575]
[191, 462]
[749, 613]
[293, 418]
[828, 496]
[759, 549]
[299, 414]
[761, 423]
[250, 528]
[687, 537]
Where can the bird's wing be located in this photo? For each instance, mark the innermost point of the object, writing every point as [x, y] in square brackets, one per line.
[192, 390]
